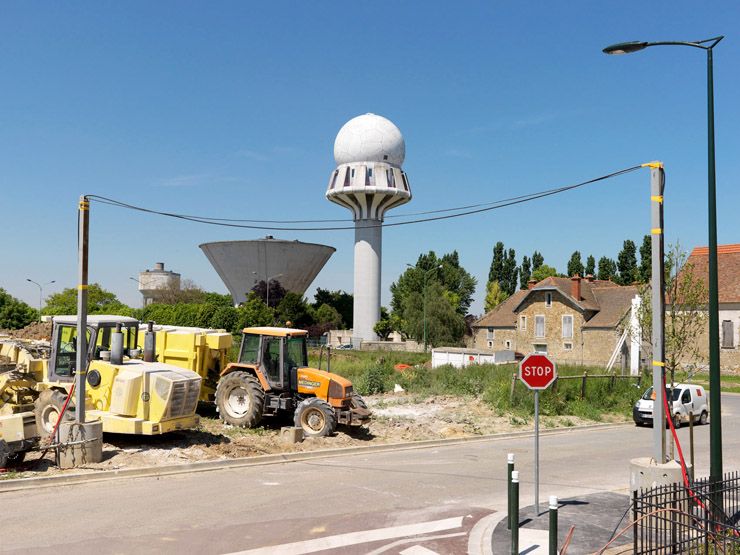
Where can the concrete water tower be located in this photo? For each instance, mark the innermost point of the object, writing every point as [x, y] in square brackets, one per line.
[153, 284]
[369, 151]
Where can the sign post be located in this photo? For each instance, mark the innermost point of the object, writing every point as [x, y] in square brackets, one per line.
[537, 372]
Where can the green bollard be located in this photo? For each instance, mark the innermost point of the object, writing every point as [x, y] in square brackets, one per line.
[553, 525]
[508, 484]
[515, 512]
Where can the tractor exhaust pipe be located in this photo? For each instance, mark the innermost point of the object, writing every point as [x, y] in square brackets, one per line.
[150, 342]
[116, 346]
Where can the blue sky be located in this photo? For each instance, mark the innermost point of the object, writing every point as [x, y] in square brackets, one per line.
[230, 109]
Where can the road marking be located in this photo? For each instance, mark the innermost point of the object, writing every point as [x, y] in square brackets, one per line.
[387, 547]
[353, 538]
[418, 550]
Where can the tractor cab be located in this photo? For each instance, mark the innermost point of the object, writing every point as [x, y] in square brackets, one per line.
[99, 330]
[278, 352]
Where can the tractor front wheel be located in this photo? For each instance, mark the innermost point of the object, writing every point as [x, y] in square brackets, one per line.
[240, 399]
[316, 417]
[47, 410]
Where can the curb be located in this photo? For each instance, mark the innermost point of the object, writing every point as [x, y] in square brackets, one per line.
[205, 466]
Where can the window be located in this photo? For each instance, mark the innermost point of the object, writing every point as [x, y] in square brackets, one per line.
[686, 397]
[728, 334]
[250, 348]
[391, 178]
[490, 344]
[539, 326]
[567, 326]
[540, 348]
[548, 300]
[507, 343]
[567, 346]
[523, 323]
[489, 333]
[334, 179]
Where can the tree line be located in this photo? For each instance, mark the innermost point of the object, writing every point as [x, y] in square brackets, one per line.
[505, 276]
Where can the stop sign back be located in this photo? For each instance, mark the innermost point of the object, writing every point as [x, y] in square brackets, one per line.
[537, 371]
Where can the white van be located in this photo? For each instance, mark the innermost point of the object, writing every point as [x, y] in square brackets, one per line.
[683, 399]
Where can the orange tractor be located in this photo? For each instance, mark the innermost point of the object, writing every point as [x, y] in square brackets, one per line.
[272, 376]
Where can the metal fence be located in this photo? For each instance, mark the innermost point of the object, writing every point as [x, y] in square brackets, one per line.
[702, 519]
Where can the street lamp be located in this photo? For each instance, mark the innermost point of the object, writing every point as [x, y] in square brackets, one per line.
[41, 292]
[267, 286]
[424, 298]
[715, 429]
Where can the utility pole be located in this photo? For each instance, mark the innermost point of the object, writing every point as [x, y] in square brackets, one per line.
[83, 228]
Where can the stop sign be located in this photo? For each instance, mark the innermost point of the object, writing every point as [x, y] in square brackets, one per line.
[537, 371]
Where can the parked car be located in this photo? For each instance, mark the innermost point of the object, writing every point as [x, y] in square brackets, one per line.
[683, 399]
[344, 347]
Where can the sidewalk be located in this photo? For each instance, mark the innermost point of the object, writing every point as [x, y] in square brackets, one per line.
[594, 516]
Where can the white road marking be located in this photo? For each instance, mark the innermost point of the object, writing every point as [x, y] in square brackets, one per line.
[387, 547]
[418, 550]
[353, 538]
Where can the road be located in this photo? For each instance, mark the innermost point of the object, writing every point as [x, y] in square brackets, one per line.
[412, 501]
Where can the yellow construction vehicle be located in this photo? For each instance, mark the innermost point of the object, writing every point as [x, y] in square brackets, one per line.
[129, 395]
[272, 376]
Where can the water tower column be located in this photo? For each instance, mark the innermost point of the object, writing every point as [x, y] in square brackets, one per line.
[368, 247]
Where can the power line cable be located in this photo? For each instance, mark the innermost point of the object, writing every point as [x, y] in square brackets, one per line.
[459, 211]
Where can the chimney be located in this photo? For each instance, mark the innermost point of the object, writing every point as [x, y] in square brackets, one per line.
[159, 266]
[589, 278]
[575, 287]
[531, 283]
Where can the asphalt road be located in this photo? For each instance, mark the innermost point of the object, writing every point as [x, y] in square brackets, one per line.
[413, 501]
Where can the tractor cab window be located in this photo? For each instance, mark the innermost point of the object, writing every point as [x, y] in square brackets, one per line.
[103, 339]
[295, 353]
[250, 349]
[66, 350]
[271, 358]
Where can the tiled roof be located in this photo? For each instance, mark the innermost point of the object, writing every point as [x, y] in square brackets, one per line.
[607, 301]
[728, 270]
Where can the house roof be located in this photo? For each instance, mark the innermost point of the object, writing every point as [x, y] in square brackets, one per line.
[603, 302]
[728, 270]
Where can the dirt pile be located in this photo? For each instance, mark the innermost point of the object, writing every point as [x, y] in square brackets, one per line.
[38, 331]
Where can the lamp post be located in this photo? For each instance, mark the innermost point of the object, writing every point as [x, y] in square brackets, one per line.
[41, 292]
[715, 430]
[267, 286]
[424, 299]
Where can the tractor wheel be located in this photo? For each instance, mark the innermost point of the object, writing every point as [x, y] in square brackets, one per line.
[357, 402]
[677, 421]
[703, 418]
[240, 399]
[16, 458]
[316, 417]
[47, 409]
[4, 454]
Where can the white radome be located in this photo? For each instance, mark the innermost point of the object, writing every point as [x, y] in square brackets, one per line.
[369, 138]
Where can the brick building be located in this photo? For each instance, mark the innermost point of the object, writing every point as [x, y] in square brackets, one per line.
[575, 320]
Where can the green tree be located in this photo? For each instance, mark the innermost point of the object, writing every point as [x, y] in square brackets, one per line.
[590, 266]
[254, 312]
[384, 328]
[544, 271]
[455, 280]
[494, 296]
[525, 272]
[510, 273]
[342, 301]
[444, 324]
[496, 272]
[99, 301]
[575, 266]
[646, 262]
[537, 260]
[277, 291]
[293, 308]
[14, 313]
[329, 316]
[627, 263]
[607, 268]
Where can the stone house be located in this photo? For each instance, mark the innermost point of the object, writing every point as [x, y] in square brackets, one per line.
[728, 277]
[575, 320]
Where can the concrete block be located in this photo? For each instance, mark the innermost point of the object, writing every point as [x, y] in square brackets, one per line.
[291, 434]
[646, 473]
[86, 441]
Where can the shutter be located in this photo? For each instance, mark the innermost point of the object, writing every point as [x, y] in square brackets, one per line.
[728, 334]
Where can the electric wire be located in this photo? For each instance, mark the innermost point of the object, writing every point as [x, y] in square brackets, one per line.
[458, 212]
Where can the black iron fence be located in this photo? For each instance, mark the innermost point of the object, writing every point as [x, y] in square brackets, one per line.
[702, 519]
